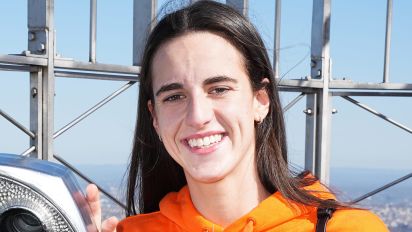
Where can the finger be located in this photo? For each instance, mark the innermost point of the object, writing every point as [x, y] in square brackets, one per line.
[93, 198]
[109, 225]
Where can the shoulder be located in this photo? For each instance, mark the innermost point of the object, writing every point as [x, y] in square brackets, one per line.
[355, 220]
[145, 222]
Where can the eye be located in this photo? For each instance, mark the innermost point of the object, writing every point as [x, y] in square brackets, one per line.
[219, 90]
[173, 98]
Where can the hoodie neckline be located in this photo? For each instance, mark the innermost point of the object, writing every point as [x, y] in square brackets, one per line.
[274, 210]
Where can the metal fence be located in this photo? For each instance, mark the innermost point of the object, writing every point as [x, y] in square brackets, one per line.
[43, 66]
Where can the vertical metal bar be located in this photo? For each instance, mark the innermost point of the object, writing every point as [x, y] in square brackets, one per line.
[36, 100]
[92, 36]
[41, 41]
[323, 132]
[387, 41]
[276, 50]
[320, 37]
[144, 14]
[242, 6]
[48, 87]
[320, 69]
[310, 132]
[36, 23]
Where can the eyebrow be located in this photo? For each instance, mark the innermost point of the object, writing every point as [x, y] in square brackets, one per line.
[169, 87]
[216, 79]
[208, 81]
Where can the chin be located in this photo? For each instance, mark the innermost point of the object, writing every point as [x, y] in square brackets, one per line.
[207, 178]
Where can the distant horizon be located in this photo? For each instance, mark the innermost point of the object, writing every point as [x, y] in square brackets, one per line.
[332, 167]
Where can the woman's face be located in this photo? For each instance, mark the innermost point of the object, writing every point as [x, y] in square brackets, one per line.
[204, 108]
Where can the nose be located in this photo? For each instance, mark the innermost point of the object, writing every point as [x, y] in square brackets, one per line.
[199, 111]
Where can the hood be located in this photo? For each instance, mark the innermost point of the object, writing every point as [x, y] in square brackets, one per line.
[270, 213]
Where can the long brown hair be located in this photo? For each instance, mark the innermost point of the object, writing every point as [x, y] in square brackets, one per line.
[152, 172]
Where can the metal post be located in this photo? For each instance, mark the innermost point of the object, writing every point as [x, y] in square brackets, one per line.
[276, 50]
[323, 134]
[242, 6]
[144, 14]
[310, 132]
[36, 100]
[387, 41]
[92, 36]
[319, 122]
[41, 42]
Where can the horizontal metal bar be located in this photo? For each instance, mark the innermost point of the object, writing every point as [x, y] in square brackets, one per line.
[344, 84]
[91, 110]
[293, 102]
[365, 107]
[397, 181]
[372, 94]
[21, 59]
[300, 83]
[84, 177]
[68, 64]
[296, 89]
[111, 68]
[28, 151]
[21, 68]
[17, 124]
[79, 65]
[97, 76]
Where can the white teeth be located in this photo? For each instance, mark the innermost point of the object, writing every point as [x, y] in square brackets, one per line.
[199, 142]
[212, 139]
[205, 141]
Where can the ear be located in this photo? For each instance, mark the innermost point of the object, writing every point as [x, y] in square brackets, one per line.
[150, 106]
[261, 102]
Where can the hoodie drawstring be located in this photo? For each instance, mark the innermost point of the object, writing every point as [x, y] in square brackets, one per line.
[249, 225]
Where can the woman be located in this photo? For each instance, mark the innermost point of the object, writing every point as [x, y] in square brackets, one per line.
[210, 149]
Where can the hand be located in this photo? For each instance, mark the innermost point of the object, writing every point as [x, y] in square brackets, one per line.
[93, 198]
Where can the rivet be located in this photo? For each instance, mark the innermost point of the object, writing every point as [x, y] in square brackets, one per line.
[32, 36]
[34, 92]
[42, 47]
[312, 63]
[308, 111]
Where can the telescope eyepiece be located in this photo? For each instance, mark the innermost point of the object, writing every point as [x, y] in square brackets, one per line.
[20, 220]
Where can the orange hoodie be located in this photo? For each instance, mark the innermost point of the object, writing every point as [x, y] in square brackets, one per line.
[177, 213]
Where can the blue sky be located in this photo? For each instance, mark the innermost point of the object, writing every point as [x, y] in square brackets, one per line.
[359, 139]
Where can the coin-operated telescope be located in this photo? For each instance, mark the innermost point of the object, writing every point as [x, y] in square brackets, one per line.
[41, 196]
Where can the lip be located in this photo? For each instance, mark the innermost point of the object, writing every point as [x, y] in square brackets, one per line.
[204, 150]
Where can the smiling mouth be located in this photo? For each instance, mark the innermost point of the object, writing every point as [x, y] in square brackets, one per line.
[204, 142]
